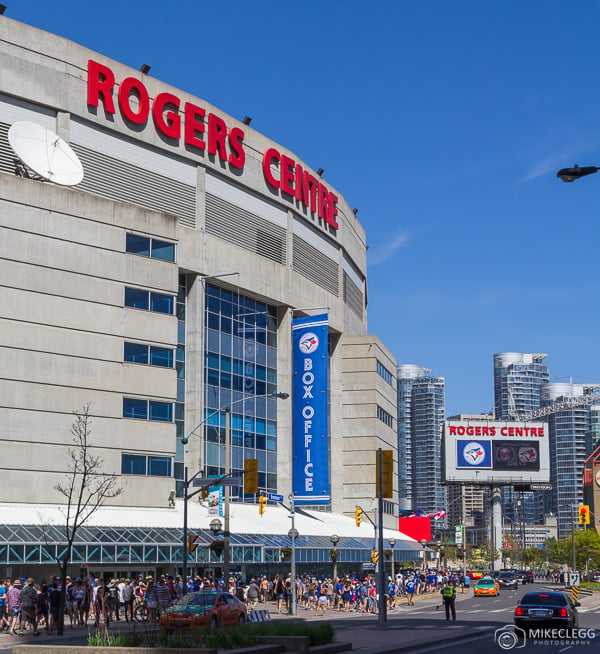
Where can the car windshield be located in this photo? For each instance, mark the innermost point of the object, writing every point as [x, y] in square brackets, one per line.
[197, 599]
[486, 582]
[547, 599]
[506, 575]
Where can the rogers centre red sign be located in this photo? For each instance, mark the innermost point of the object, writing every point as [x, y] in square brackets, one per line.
[206, 133]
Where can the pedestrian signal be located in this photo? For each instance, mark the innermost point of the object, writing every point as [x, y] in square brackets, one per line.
[250, 475]
[584, 514]
[374, 556]
[191, 543]
[262, 501]
[358, 515]
[387, 473]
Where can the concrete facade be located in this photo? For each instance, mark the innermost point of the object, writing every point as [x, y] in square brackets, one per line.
[65, 266]
[364, 429]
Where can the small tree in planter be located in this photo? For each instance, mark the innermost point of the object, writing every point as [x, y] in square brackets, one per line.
[286, 553]
[333, 555]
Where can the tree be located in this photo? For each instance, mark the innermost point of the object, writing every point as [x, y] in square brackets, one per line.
[85, 489]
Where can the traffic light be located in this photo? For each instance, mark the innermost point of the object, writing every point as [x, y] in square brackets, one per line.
[374, 556]
[584, 514]
[358, 515]
[250, 476]
[387, 473]
[191, 543]
[262, 500]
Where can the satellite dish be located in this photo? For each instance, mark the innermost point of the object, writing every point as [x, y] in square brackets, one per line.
[45, 153]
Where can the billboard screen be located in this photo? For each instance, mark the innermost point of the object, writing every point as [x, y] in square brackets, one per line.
[491, 452]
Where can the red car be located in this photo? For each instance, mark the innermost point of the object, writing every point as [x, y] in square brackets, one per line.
[203, 608]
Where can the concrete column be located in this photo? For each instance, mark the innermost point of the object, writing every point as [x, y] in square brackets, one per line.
[497, 524]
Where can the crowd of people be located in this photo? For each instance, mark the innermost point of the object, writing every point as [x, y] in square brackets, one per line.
[29, 606]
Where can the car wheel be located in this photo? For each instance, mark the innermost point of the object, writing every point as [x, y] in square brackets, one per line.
[242, 618]
[213, 622]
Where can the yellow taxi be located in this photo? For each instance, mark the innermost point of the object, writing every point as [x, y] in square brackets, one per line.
[487, 586]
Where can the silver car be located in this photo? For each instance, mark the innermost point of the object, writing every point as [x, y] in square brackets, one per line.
[508, 579]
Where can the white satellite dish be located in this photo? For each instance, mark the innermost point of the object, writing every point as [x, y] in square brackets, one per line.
[45, 153]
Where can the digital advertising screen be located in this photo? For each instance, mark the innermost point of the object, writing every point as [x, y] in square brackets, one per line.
[493, 452]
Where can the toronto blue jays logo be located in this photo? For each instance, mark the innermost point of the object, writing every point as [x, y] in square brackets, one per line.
[308, 343]
[473, 453]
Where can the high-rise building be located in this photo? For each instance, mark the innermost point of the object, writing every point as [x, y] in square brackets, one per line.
[570, 436]
[421, 412]
[518, 381]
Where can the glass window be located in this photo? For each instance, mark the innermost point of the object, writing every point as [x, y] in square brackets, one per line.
[136, 298]
[161, 411]
[137, 244]
[134, 408]
[161, 356]
[136, 353]
[163, 250]
[159, 466]
[133, 464]
[161, 303]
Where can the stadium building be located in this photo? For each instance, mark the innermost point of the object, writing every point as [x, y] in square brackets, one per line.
[160, 290]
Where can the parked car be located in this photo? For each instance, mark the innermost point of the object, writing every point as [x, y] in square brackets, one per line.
[204, 608]
[475, 574]
[508, 579]
[553, 609]
[487, 586]
[595, 577]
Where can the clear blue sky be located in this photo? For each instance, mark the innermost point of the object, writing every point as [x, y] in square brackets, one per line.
[443, 122]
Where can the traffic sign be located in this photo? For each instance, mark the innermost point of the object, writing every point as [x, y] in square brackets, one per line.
[367, 565]
[231, 479]
[574, 579]
[273, 497]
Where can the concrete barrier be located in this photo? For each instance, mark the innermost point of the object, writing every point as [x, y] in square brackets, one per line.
[259, 615]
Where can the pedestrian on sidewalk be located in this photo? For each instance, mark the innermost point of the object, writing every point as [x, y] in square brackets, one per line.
[449, 596]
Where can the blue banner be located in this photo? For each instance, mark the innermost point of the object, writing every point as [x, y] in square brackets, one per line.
[310, 421]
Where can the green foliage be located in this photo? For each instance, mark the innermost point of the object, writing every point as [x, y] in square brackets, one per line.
[587, 549]
[104, 639]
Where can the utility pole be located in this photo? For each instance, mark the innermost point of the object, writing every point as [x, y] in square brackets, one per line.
[382, 614]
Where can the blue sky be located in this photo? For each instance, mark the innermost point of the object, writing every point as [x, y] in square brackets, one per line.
[443, 122]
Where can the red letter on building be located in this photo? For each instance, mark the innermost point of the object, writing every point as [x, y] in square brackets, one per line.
[101, 82]
[287, 175]
[217, 133]
[323, 202]
[333, 212]
[237, 158]
[268, 156]
[301, 185]
[170, 127]
[141, 115]
[194, 122]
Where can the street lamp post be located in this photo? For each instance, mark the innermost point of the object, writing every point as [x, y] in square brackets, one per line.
[293, 534]
[576, 172]
[334, 538]
[392, 542]
[226, 480]
[215, 526]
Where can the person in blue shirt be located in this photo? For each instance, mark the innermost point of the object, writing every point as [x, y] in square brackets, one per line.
[409, 587]
[4, 623]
